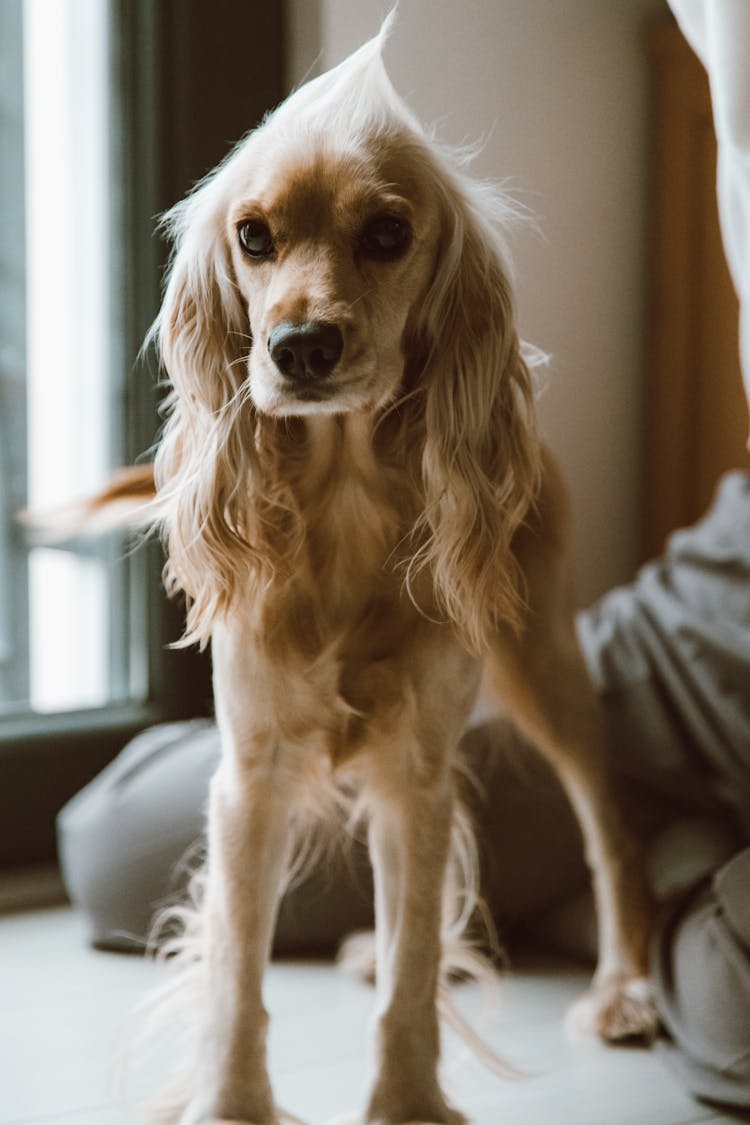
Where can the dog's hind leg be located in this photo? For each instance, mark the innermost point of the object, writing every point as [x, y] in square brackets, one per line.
[560, 718]
[542, 683]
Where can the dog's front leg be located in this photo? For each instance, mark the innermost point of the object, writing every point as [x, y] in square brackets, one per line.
[248, 830]
[250, 811]
[409, 844]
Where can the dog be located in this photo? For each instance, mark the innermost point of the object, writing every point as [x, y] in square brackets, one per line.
[366, 526]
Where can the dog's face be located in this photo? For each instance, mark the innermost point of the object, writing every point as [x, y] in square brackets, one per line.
[340, 261]
[330, 252]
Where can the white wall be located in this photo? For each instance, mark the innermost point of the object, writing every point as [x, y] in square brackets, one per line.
[558, 88]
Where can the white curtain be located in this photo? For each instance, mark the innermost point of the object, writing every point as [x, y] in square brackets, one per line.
[719, 33]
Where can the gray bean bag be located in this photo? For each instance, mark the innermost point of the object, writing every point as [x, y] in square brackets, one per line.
[129, 841]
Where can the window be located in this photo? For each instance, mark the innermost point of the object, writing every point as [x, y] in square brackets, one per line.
[64, 647]
[109, 111]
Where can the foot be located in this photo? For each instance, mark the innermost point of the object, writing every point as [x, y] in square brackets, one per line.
[618, 1010]
[285, 1119]
[384, 1110]
[194, 1115]
[242, 1121]
[358, 1119]
[356, 956]
[428, 1107]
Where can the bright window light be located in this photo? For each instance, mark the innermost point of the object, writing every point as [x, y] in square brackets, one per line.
[66, 114]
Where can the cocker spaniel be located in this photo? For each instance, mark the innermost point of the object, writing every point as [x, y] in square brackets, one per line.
[357, 506]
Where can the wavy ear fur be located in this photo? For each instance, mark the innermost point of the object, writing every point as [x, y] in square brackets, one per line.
[481, 457]
[207, 461]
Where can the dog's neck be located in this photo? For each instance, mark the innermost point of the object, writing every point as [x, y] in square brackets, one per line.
[352, 522]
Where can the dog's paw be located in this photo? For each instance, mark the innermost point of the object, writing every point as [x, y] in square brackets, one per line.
[237, 1121]
[357, 1119]
[447, 1116]
[356, 958]
[284, 1119]
[212, 1119]
[619, 1010]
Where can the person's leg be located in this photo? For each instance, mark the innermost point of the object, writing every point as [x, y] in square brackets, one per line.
[701, 969]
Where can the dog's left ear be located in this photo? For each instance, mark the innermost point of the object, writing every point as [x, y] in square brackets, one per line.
[481, 456]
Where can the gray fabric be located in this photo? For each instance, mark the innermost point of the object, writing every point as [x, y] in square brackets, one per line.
[702, 972]
[130, 840]
[670, 655]
[121, 839]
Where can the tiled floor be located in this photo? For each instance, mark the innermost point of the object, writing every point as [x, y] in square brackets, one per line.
[63, 1006]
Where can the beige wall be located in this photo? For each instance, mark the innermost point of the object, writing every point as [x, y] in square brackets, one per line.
[558, 89]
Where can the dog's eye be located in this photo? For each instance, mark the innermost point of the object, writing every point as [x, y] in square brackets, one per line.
[255, 238]
[385, 238]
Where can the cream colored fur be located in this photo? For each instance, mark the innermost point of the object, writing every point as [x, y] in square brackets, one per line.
[356, 560]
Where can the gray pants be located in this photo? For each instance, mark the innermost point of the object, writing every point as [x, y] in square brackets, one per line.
[670, 656]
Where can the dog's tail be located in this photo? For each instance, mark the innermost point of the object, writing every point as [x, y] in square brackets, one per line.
[128, 501]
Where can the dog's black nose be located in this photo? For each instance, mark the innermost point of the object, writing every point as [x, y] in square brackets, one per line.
[306, 351]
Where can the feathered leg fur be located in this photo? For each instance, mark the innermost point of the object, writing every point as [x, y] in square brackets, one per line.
[541, 680]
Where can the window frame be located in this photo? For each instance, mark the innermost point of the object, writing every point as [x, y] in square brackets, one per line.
[188, 83]
[14, 631]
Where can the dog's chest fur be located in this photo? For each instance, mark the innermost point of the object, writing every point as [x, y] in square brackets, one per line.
[352, 615]
[352, 522]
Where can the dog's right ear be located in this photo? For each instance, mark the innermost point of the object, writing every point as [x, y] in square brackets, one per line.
[206, 460]
[202, 331]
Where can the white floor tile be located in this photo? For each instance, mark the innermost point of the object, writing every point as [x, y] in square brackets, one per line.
[64, 1005]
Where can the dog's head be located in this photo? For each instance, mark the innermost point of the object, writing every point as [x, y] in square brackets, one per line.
[331, 247]
[339, 261]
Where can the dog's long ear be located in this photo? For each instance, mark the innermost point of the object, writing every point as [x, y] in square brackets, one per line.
[201, 330]
[480, 462]
[207, 454]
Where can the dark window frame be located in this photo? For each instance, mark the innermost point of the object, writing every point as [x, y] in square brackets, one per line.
[191, 77]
